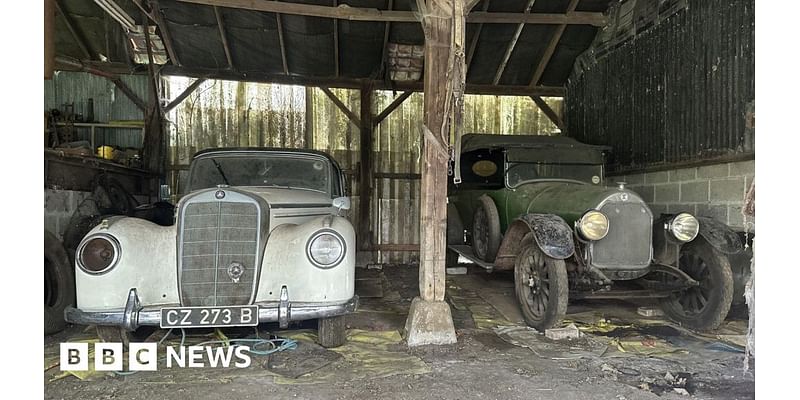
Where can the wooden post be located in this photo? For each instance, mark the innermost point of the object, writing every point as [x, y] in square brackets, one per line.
[429, 319]
[365, 172]
[309, 132]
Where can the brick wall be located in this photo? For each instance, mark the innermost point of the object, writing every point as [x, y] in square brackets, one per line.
[715, 191]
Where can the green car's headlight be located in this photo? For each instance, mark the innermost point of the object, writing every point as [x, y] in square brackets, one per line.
[593, 225]
[684, 227]
[326, 249]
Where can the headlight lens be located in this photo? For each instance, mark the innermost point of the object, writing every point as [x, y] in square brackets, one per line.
[326, 249]
[593, 225]
[684, 227]
[98, 253]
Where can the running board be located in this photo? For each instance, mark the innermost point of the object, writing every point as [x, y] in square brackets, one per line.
[466, 251]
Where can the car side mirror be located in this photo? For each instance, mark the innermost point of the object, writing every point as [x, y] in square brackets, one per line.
[341, 203]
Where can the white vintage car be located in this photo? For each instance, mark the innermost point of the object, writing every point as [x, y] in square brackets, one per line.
[259, 237]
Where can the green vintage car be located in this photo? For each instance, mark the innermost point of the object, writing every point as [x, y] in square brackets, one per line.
[539, 205]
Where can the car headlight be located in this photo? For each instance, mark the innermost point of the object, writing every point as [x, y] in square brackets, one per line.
[326, 249]
[684, 227]
[98, 253]
[593, 225]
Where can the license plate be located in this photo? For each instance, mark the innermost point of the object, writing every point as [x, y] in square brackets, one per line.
[197, 317]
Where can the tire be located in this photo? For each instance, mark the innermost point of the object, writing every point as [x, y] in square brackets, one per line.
[486, 233]
[702, 307]
[59, 285]
[541, 286]
[331, 332]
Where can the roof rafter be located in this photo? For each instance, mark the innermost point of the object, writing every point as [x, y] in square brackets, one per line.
[551, 47]
[336, 43]
[79, 39]
[548, 111]
[282, 44]
[474, 43]
[376, 15]
[189, 90]
[392, 106]
[511, 45]
[224, 37]
[166, 37]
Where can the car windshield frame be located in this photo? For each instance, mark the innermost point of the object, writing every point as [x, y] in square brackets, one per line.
[334, 184]
[508, 165]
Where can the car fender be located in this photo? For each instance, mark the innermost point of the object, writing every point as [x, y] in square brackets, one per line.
[552, 234]
[720, 236]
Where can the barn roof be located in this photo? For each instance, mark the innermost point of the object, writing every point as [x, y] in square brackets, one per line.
[339, 43]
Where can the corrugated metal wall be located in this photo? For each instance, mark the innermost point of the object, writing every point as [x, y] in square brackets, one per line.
[227, 114]
[679, 91]
[110, 104]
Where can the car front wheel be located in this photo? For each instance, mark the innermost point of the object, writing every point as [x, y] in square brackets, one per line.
[705, 306]
[541, 286]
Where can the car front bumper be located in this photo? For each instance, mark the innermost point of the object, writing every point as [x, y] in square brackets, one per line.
[134, 315]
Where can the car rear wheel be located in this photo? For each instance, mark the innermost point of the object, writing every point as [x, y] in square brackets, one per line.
[332, 332]
[486, 233]
[705, 306]
[541, 286]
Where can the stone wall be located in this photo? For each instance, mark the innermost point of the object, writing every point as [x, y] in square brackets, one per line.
[715, 191]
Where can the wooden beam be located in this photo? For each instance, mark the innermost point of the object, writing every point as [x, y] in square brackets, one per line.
[336, 44]
[551, 47]
[174, 103]
[126, 90]
[554, 118]
[224, 37]
[350, 115]
[392, 106]
[356, 83]
[76, 35]
[282, 45]
[511, 45]
[366, 168]
[376, 15]
[309, 128]
[474, 43]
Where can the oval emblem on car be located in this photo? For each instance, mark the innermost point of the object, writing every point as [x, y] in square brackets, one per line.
[220, 194]
[235, 271]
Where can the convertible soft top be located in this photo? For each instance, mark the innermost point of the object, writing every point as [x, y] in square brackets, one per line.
[477, 141]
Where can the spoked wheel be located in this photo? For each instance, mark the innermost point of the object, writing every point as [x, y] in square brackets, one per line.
[486, 234]
[705, 306]
[541, 286]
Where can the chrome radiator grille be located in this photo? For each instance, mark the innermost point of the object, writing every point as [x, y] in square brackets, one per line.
[628, 242]
[214, 236]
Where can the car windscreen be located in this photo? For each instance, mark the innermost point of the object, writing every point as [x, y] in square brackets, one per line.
[268, 170]
[518, 173]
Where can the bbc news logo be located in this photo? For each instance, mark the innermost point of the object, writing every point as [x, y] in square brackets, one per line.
[145, 356]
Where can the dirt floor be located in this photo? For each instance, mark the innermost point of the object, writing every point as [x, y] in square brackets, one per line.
[621, 355]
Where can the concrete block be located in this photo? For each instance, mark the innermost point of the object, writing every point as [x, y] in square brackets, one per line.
[684, 174]
[730, 189]
[667, 193]
[718, 212]
[51, 225]
[647, 193]
[456, 270]
[679, 208]
[736, 219]
[694, 192]
[712, 171]
[429, 322]
[658, 209]
[742, 168]
[656, 177]
[568, 332]
[748, 180]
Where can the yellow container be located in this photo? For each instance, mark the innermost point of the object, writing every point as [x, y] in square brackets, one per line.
[106, 152]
